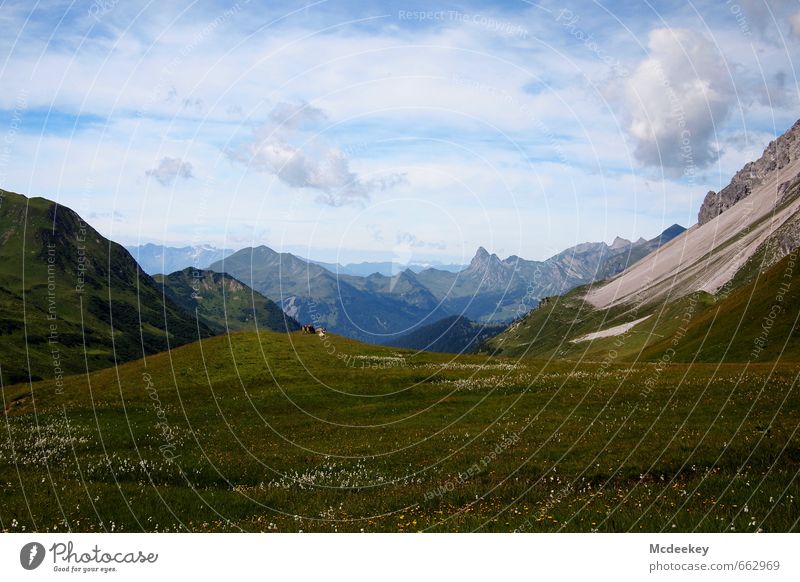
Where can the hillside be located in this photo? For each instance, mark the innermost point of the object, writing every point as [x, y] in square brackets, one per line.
[70, 298]
[723, 290]
[726, 327]
[709, 255]
[224, 303]
[454, 334]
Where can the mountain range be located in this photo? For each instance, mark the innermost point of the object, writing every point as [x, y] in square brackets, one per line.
[379, 308]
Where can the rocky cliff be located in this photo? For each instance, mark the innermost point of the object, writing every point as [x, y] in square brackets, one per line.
[778, 154]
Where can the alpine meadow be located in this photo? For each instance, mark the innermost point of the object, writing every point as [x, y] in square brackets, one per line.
[499, 267]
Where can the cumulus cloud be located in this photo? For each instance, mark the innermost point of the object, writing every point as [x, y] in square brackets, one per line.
[287, 147]
[675, 100]
[169, 170]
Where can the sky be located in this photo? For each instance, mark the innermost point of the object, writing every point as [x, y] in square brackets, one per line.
[416, 131]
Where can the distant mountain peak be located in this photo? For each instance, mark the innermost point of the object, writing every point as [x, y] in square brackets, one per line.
[483, 260]
[620, 243]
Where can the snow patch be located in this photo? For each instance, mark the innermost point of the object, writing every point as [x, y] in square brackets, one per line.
[611, 331]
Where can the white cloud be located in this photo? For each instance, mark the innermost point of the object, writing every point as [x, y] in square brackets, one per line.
[676, 99]
[312, 164]
[169, 170]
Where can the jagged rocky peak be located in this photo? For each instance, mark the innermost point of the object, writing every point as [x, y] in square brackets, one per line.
[482, 259]
[778, 154]
[620, 243]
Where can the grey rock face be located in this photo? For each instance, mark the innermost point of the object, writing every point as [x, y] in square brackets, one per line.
[778, 154]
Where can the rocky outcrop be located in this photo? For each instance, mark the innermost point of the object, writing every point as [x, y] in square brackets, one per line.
[778, 154]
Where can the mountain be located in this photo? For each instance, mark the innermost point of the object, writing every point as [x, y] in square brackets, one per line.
[72, 299]
[454, 334]
[369, 308]
[155, 259]
[721, 291]
[224, 303]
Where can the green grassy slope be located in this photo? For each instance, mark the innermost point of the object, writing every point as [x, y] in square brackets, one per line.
[64, 287]
[756, 321]
[224, 303]
[277, 432]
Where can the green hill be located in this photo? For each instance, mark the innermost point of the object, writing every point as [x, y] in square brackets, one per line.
[223, 302]
[72, 299]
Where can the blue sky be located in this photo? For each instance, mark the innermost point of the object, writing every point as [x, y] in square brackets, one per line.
[369, 130]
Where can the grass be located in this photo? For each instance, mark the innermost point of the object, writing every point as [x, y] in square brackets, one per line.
[700, 327]
[276, 432]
